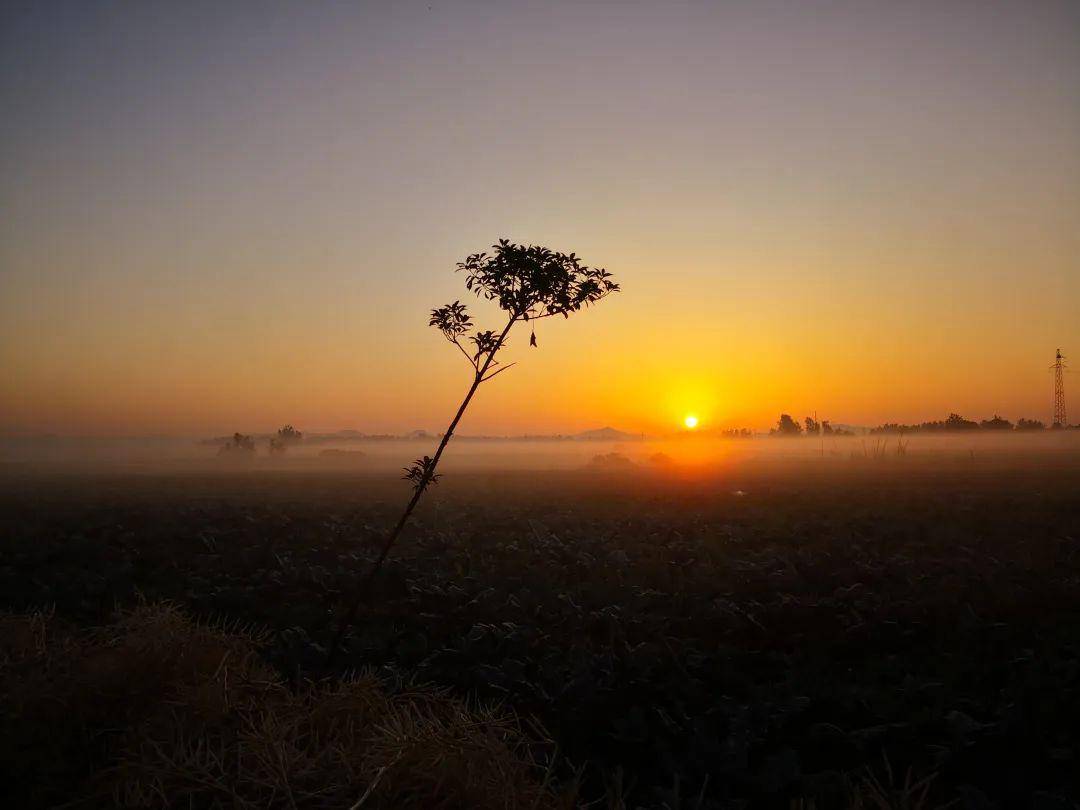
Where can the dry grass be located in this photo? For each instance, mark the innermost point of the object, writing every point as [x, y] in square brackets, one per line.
[874, 791]
[158, 711]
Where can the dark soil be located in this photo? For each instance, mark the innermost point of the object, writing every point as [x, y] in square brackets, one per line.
[764, 636]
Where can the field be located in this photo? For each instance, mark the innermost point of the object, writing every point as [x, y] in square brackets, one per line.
[818, 631]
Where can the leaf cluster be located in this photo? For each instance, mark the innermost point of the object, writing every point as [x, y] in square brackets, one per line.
[485, 343]
[530, 281]
[421, 473]
[452, 320]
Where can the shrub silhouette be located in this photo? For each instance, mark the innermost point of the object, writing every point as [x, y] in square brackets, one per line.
[285, 436]
[528, 283]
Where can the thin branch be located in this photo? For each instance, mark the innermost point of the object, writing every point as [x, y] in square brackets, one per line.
[497, 373]
[346, 619]
[462, 350]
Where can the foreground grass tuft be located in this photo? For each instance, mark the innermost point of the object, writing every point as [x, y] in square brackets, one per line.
[156, 710]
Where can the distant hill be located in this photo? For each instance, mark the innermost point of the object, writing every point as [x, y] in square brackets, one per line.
[607, 434]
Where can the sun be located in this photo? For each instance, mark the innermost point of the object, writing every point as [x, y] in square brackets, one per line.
[690, 421]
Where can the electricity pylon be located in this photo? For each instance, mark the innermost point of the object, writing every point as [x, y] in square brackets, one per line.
[1060, 420]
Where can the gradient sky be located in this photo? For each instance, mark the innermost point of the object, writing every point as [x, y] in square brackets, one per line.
[219, 216]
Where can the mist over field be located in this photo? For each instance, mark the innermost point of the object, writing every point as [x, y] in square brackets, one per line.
[766, 622]
[685, 455]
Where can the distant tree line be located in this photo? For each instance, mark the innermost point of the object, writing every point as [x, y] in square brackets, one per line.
[786, 426]
[737, 433]
[955, 423]
[241, 445]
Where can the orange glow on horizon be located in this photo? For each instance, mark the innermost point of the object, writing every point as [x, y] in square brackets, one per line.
[786, 241]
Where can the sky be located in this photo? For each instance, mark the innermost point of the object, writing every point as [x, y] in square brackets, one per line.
[219, 217]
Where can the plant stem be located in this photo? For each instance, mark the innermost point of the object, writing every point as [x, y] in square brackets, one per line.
[363, 587]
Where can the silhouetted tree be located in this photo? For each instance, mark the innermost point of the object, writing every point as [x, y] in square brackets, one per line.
[285, 436]
[997, 423]
[813, 427]
[786, 426]
[528, 283]
[1029, 424]
[289, 434]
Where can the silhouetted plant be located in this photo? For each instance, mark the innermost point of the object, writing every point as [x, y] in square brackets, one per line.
[1029, 424]
[419, 470]
[528, 283]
